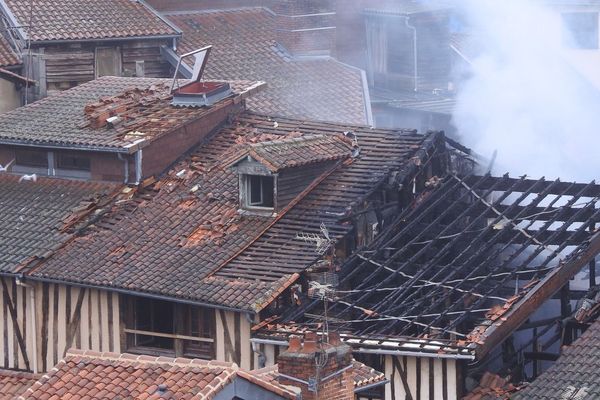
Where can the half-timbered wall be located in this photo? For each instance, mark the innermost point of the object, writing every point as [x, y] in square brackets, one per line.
[232, 339]
[65, 317]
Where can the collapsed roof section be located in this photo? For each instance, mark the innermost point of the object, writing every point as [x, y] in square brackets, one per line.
[187, 226]
[469, 262]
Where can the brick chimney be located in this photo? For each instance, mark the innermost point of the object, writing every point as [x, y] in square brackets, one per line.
[305, 27]
[321, 370]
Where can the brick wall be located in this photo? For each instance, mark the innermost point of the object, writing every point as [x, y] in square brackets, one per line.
[299, 362]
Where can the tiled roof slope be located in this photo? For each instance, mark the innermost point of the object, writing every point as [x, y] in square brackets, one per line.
[7, 55]
[70, 118]
[88, 19]
[575, 375]
[363, 375]
[92, 375]
[13, 383]
[295, 152]
[188, 228]
[34, 216]
[244, 48]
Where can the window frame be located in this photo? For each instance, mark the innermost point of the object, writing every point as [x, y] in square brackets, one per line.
[247, 186]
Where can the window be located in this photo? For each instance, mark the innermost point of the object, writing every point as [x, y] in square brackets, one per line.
[167, 328]
[31, 158]
[259, 191]
[72, 161]
[581, 30]
[108, 61]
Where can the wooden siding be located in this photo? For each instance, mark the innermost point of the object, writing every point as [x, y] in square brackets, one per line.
[65, 317]
[232, 339]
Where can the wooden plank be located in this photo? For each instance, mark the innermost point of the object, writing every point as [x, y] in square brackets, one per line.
[424, 379]
[95, 322]
[22, 319]
[438, 379]
[44, 325]
[16, 328]
[453, 383]
[74, 320]
[247, 356]
[85, 321]
[411, 372]
[111, 315]
[237, 338]
[220, 335]
[63, 317]
[403, 378]
[105, 330]
[389, 375]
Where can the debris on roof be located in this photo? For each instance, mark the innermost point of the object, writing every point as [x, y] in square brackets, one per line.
[492, 387]
[244, 46]
[80, 117]
[186, 224]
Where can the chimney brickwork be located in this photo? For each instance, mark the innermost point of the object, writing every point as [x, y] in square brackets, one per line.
[305, 27]
[332, 381]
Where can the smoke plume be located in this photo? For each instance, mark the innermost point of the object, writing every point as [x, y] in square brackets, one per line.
[525, 98]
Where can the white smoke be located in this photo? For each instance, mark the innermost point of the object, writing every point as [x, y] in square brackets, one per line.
[525, 99]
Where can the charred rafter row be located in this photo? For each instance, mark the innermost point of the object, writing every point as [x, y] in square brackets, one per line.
[447, 264]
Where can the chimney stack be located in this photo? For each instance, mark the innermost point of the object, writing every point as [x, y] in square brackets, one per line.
[305, 27]
[322, 371]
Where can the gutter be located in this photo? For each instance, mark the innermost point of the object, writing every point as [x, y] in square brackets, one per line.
[111, 39]
[362, 350]
[129, 292]
[129, 149]
[364, 388]
[415, 49]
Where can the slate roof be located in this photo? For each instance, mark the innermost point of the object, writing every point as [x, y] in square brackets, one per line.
[8, 57]
[303, 150]
[14, 383]
[88, 20]
[187, 225]
[35, 216]
[575, 375]
[76, 118]
[244, 48]
[91, 375]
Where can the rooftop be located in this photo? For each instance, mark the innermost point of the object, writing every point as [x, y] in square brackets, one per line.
[575, 375]
[88, 374]
[244, 48]
[187, 224]
[76, 118]
[14, 383]
[84, 20]
[38, 217]
[468, 262]
[8, 57]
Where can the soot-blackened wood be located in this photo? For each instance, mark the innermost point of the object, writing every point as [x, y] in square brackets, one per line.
[16, 328]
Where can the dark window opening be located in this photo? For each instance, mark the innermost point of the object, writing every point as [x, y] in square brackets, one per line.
[165, 328]
[73, 161]
[581, 30]
[31, 158]
[260, 191]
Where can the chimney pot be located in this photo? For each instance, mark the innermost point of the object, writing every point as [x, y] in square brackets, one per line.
[295, 344]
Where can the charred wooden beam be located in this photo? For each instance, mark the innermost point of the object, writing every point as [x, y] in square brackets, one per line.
[523, 185]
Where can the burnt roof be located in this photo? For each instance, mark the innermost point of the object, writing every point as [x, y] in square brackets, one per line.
[84, 20]
[446, 268]
[35, 217]
[575, 375]
[244, 47]
[187, 227]
[76, 118]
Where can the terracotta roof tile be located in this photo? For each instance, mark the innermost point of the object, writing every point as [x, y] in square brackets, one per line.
[187, 226]
[77, 117]
[88, 19]
[13, 383]
[83, 375]
[8, 57]
[34, 217]
[244, 48]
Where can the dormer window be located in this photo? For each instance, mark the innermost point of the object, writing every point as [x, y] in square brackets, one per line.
[259, 191]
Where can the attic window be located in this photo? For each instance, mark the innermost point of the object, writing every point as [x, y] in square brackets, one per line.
[259, 191]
